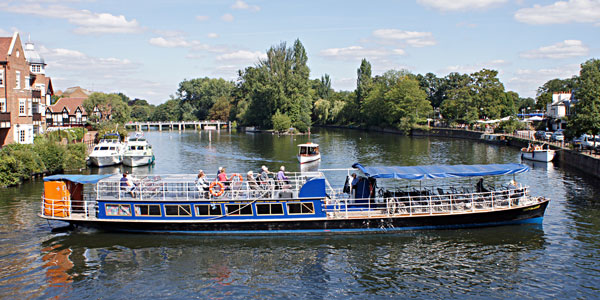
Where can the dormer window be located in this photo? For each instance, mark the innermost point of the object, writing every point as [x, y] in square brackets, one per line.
[36, 68]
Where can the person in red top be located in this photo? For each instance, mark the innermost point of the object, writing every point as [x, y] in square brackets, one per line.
[222, 176]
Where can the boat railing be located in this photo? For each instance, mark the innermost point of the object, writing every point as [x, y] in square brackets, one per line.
[185, 188]
[449, 203]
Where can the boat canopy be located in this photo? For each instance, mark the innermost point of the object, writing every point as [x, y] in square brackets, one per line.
[84, 179]
[309, 145]
[441, 171]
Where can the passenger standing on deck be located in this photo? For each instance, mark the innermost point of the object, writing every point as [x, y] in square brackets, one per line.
[281, 175]
[480, 187]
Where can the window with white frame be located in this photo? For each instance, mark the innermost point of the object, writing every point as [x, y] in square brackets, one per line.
[18, 80]
[2, 105]
[22, 136]
[1, 78]
[27, 82]
[21, 107]
[35, 68]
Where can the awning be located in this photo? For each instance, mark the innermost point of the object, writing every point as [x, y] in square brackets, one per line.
[441, 171]
[85, 179]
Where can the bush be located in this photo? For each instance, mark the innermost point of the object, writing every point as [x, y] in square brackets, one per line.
[75, 157]
[7, 166]
[281, 122]
[509, 126]
[52, 154]
[27, 161]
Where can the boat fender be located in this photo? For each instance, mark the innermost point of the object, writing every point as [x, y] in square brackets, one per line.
[219, 192]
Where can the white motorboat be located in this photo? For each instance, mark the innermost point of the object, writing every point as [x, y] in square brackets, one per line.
[308, 152]
[538, 153]
[138, 152]
[108, 152]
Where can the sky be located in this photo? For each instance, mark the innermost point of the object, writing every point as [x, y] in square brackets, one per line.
[144, 49]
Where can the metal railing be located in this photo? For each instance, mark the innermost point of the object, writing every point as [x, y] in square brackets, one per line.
[429, 204]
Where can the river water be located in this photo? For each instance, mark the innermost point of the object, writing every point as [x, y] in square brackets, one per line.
[559, 258]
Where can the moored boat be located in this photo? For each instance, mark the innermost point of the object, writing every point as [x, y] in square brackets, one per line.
[138, 152]
[108, 152]
[308, 152]
[304, 204]
[538, 153]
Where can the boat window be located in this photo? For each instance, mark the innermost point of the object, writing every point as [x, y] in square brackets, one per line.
[147, 210]
[208, 210]
[300, 208]
[302, 150]
[104, 148]
[118, 210]
[269, 209]
[131, 147]
[112, 148]
[96, 148]
[238, 209]
[140, 147]
[178, 210]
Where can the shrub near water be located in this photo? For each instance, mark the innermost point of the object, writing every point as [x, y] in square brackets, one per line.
[51, 153]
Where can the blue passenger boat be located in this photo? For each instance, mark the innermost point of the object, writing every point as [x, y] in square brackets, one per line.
[377, 199]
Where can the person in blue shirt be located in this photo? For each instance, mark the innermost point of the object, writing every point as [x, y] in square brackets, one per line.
[126, 185]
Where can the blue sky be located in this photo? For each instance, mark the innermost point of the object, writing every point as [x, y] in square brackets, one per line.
[145, 48]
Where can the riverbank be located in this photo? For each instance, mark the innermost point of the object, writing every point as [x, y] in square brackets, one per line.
[585, 162]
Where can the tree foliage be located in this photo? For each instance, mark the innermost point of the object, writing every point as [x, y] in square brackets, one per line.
[587, 117]
[112, 106]
[199, 95]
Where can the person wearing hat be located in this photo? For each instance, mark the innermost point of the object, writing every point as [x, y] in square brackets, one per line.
[264, 174]
[126, 185]
[281, 175]
[251, 180]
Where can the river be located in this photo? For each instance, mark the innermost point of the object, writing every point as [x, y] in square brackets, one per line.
[556, 259]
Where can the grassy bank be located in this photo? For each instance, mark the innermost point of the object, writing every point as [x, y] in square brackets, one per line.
[50, 153]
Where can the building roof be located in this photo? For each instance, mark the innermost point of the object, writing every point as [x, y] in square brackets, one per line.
[75, 92]
[70, 104]
[32, 56]
[4, 46]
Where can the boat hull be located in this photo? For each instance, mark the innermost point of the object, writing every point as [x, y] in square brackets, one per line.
[138, 160]
[105, 161]
[306, 159]
[525, 214]
[544, 155]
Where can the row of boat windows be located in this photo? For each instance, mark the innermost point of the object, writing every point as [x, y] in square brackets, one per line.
[138, 147]
[105, 148]
[184, 210]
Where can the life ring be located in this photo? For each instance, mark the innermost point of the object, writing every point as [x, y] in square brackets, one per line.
[239, 176]
[220, 192]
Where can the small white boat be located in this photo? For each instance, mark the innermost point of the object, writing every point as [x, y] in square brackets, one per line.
[308, 152]
[138, 152]
[108, 152]
[538, 153]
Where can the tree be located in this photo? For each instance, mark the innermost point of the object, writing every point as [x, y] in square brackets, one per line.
[587, 117]
[202, 93]
[220, 110]
[544, 93]
[364, 84]
[111, 106]
[168, 111]
[278, 83]
[488, 92]
[432, 85]
[281, 122]
[321, 111]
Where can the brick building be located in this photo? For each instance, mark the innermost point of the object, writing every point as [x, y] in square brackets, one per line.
[66, 112]
[25, 91]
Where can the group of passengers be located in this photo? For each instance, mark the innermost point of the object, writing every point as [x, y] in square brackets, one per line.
[254, 182]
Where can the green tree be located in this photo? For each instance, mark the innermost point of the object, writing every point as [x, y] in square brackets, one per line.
[364, 84]
[544, 93]
[281, 122]
[432, 85]
[201, 94]
[587, 116]
[110, 105]
[321, 111]
[220, 110]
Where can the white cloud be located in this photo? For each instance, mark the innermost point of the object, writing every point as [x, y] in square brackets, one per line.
[565, 49]
[242, 56]
[202, 18]
[460, 5]
[170, 42]
[355, 52]
[212, 35]
[87, 22]
[495, 64]
[410, 38]
[4, 32]
[239, 4]
[561, 12]
[227, 17]
[526, 81]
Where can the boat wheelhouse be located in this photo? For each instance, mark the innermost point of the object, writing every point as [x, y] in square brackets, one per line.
[138, 152]
[308, 152]
[306, 203]
[108, 152]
